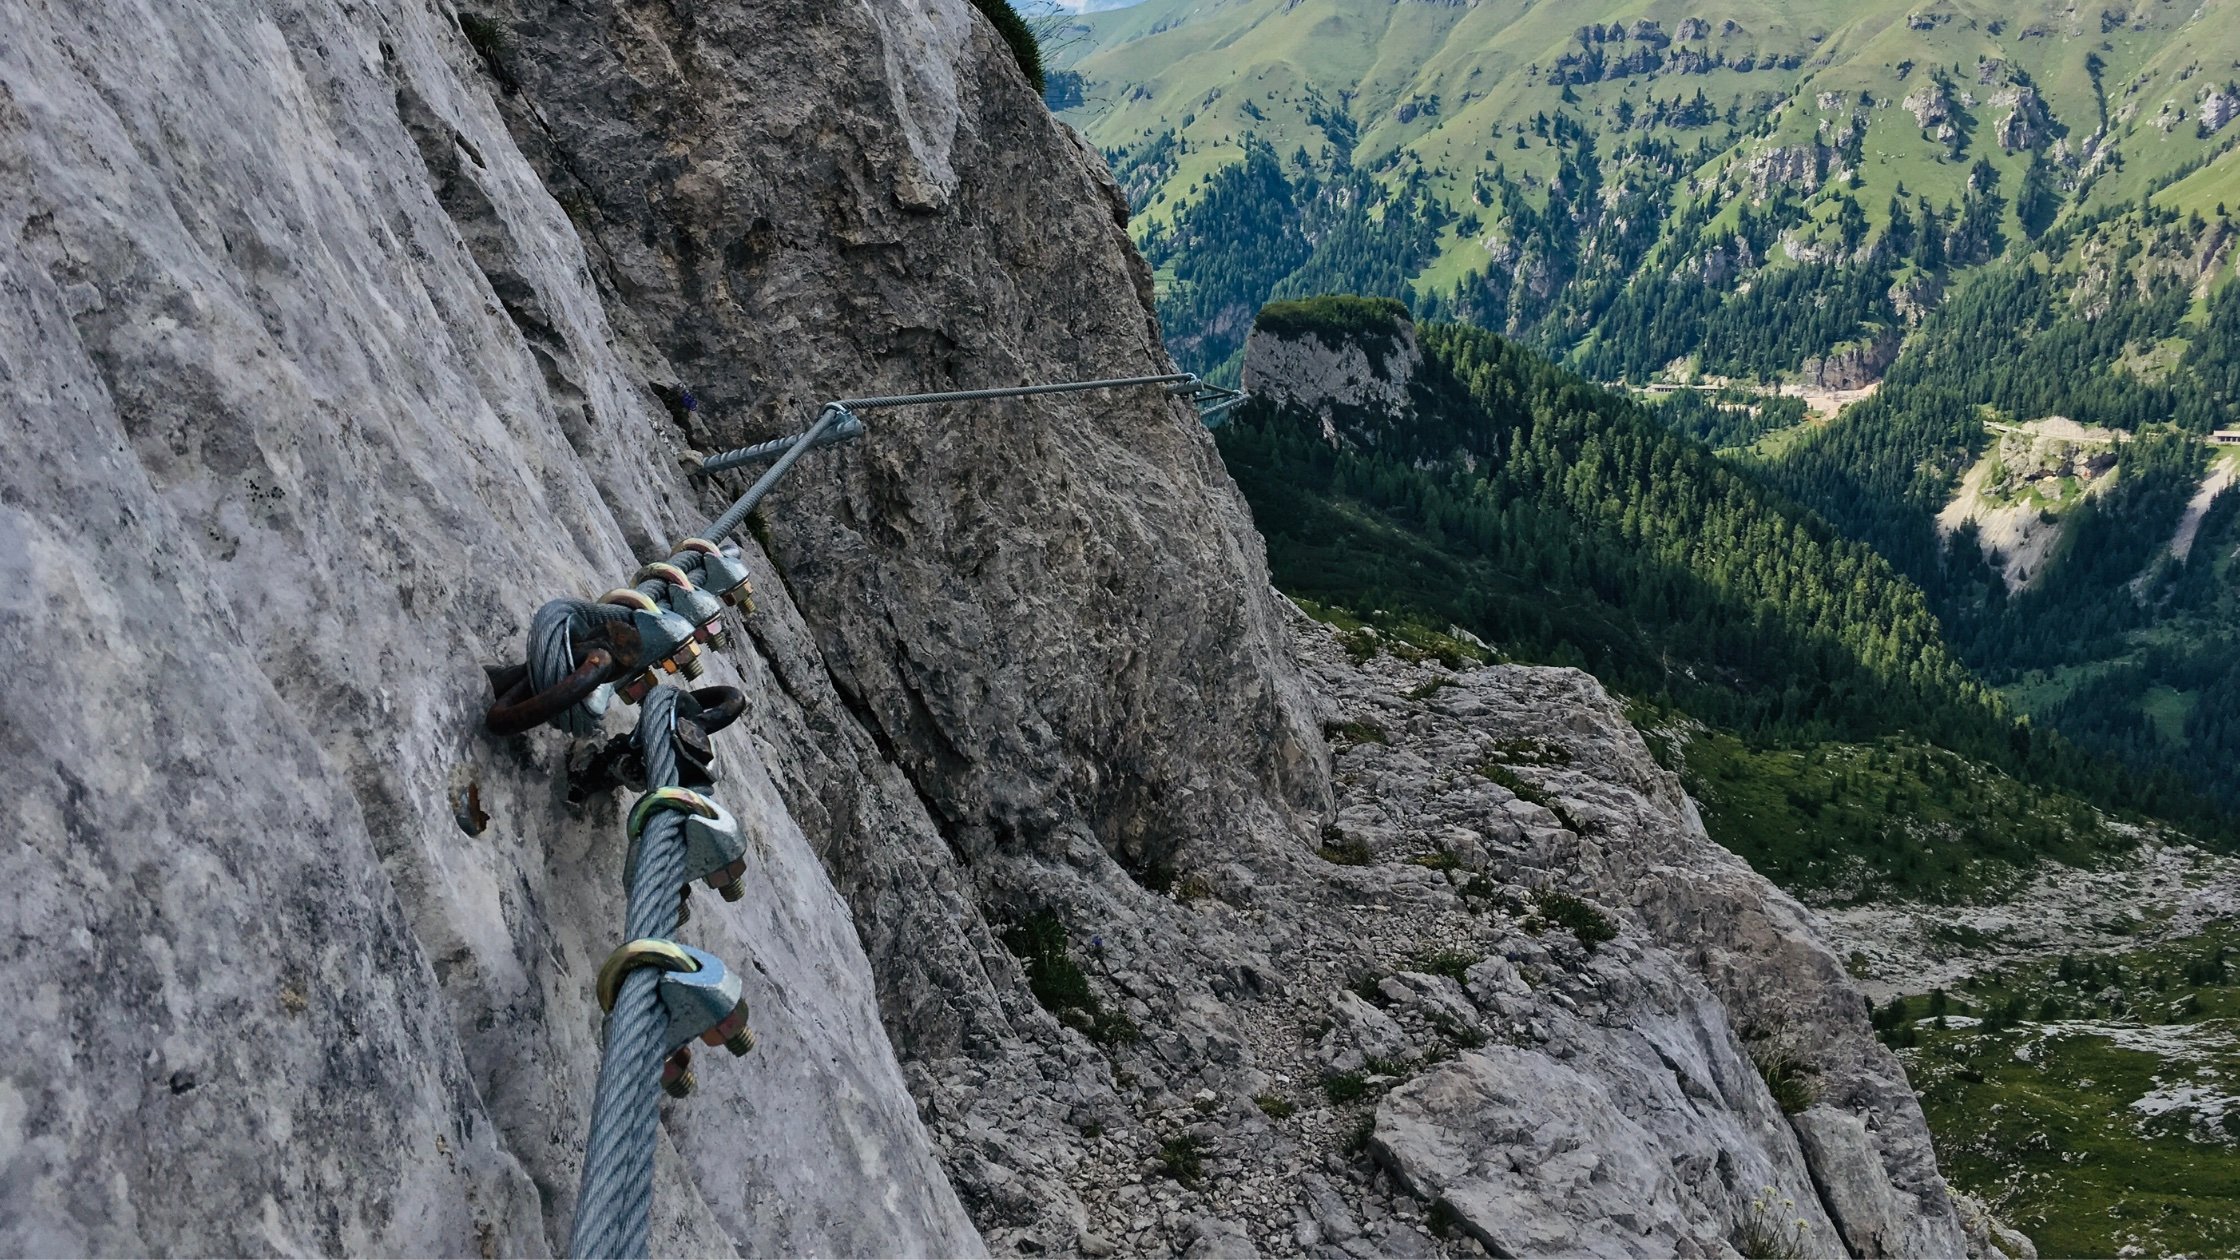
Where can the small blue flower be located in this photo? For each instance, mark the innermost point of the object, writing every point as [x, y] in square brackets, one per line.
[687, 400]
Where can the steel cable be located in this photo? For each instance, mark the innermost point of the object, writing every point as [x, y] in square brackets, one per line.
[614, 1205]
[552, 632]
[614, 1211]
[837, 423]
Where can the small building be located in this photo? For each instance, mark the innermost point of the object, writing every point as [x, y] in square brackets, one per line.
[2226, 437]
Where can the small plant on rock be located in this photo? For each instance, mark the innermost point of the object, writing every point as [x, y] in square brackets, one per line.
[1183, 1158]
[1347, 734]
[1025, 49]
[1429, 689]
[1437, 860]
[1275, 1106]
[1525, 791]
[1454, 964]
[1590, 925]
[1794, 1085]
[1360, 644]
[1771, 1231]
[1345, 1087]
[1058, 983]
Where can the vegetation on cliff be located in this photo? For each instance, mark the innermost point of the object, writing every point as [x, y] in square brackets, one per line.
[1566, 523]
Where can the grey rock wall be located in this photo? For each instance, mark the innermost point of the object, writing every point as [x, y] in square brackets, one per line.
[311, 401]
[1325, 378]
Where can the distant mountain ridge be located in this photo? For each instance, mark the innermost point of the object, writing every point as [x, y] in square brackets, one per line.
[1588, 174]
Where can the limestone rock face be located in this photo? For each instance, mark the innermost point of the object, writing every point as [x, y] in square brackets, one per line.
[1331, 376]
[1669, 1025]
[1053, 615]
[313, 401]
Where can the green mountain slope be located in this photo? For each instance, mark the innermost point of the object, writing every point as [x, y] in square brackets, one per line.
[1741, 188]
[2120, 623]
[2002, 215]
[1851, 754]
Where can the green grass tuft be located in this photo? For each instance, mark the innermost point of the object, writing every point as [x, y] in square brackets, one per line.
[1590, 925]
[1058, 983]
[1345, 1087]
[1183, 1158]
[1451, 963]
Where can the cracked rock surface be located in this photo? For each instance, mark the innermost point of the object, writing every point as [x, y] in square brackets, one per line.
[1440, 1062]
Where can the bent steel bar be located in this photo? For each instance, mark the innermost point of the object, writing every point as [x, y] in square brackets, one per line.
[1013, 391]
[845, 431]
[1212, 400]
[852, 427]
[721, 527]
[719, 707]
[518, 710]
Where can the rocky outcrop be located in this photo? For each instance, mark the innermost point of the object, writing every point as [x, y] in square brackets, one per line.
[1333, 373]
[1616, 1105]
[1854, 365]
[2219, 107]
[1794, 166]
[2026, 124]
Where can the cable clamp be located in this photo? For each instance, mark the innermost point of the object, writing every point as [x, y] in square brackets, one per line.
[700, 995]
[715, 852]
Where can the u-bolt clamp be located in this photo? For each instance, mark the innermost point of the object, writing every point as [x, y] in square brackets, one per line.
[663, 637]
[714, 851]
[701, 996]
[697, 606]
[720, 572]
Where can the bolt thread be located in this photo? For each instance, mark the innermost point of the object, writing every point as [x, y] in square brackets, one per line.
[681, 1085]
[740, 1042]
[732, 890]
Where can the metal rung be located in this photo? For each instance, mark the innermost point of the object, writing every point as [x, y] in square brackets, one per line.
[762, 452]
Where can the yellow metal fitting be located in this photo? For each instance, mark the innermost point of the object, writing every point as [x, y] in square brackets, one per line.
[643, 952]
[677, 798]
[662, 569]
[628, 598]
